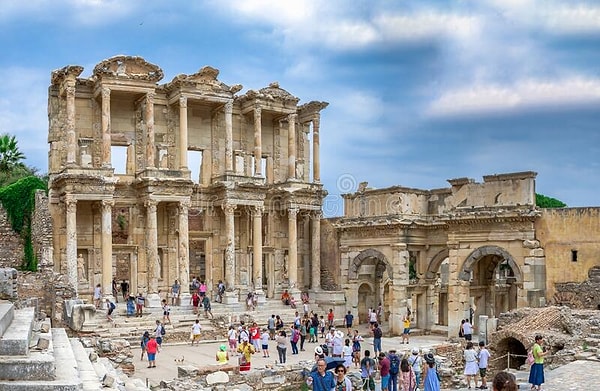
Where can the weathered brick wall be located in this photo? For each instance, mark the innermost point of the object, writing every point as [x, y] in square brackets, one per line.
[41, 231]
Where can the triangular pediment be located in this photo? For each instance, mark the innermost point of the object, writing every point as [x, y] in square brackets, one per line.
[128, 67]
[205, 80]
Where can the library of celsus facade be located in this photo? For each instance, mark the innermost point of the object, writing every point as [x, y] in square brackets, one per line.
[125, 201]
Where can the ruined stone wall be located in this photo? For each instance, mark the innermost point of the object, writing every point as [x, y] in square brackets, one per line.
[11, 250]
[46, 291]
[330, 257]
[41, 231]
[569, 237]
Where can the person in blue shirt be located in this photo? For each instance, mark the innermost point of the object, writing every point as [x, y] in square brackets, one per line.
[321, 379]
[348, 319]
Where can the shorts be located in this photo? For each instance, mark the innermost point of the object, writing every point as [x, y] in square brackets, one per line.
[110, 311]
[166, 313]
[265, 347]
[482, 372]
[196, 337]
[385, 381]
[406, 331]
[233, 343]
[368, 384]
[151, 356]
[202, 294]
[468, 337]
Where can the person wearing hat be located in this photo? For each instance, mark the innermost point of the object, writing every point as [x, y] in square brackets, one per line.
[416, 362]
[152, 348]
[247, 350]
[338, 343]
[432, 381]
[319, 353]
[222, 356]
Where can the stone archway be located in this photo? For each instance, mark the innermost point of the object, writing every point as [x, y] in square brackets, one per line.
[381, 266]
[365, 300]
[479, 253]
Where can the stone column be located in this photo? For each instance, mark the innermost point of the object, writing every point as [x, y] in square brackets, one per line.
[152, 261]
[71, 248]
[231, 295]
[257, 250]
[458, 291]
[106, 140]
[107, 270]
[184, 253]
[183, 133]
[400, 263]
[229, 136]
[257, 142]
[292, 146]
[71, 136]
[315, 247]
[316, 159]
[293, 250]
[149, 118]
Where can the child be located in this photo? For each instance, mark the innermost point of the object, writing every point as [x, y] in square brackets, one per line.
[110, 308]
[166, 312]
[196, 332]
[484, 356]
[144, 343]
[322, 326]
[264, 341]
[312, 331]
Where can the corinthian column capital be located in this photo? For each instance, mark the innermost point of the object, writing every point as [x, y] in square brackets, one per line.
[183, 102]
[229, 209]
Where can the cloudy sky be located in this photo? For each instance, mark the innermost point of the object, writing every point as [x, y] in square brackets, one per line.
[419, 91]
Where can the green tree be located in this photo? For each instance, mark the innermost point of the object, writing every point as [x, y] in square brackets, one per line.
[11, 157]
[543, 201]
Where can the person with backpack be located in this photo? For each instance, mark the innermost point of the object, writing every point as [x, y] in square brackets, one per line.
[416, 362]
[377, 334]
[394, 369]
[294, 337]
[144, 343]
[110, 308]
[367, 372]
[159, 332]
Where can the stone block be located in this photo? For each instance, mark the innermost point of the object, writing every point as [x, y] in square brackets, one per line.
[186, 371]
[45, 327]
[218, 377]
[537, 252]
[531, 244]
[43, 343]
[109, 380]
[279, 379]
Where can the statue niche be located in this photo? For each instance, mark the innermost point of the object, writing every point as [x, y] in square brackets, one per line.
[120, 225]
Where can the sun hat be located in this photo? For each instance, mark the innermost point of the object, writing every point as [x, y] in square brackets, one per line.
[318, 350]
[415, 351]
[339, 334]
[223, 347]
[429, 358]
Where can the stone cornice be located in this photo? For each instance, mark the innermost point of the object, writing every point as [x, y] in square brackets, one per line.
[127, 67]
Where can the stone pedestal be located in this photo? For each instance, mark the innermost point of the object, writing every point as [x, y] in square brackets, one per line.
[184, 300]
[153, 301]
[230, 298]
[261, 298]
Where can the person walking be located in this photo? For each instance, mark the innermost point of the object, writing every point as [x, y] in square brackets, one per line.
[110, 307]
[377, 334]
[395, 362]
[195, 302]
[484, 356]
[125, 290]
[294, 338]
[471, 366]
[536, 373]
[356, 340]
[97, 296]
[303, 332]
[151, 349]
[347, 353]
[468, 330]
[144, 343]
[431, 382]
[166, 312]
[232, 338]
[175, 289]
[207, 307]
[264, 342]
[348, 320]
[196, 329]
[367, 371]
[321, 379]
[115, 289]
[342, 383]
[282, 342]
[140, 300]
[159, 331]
[271, 327]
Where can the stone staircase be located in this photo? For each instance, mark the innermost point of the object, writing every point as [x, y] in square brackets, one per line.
[36, 357]
[182, 318]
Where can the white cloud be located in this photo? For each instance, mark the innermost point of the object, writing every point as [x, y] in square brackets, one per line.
[526, 94]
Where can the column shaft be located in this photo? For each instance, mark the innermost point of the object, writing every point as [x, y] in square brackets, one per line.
[229, 136]
[71, 136]
[183, 133]
[184, 260]
[106, 140]
[292, 248]
[149, 118]
[316, 157]
[292, 146]
[151, 246]
[71, 248]
[257, 248]
[316, 251]
[107, 270]
[230, 247]
[257, 142]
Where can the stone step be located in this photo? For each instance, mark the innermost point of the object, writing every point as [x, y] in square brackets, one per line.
[63, 375]
[37, 365]
[7, 312]
[15, 341]
[89, 378]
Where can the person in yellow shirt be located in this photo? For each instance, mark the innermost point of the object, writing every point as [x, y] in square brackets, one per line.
[536, 374]
[406, 331]
[222, 356]
[247, 351]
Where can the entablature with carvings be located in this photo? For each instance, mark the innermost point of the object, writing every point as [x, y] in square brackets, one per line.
[203, 82]
[127, 67]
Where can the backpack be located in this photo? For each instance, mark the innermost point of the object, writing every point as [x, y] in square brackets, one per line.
[162, 330]
[112, 305]
[530, 358]
[377, 333]
[295, 335]
[394, 364]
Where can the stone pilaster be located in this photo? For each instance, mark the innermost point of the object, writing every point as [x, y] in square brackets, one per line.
[183, 133]
[152, 260]
[316, 154]
[149, 118]
[257, 141]
[400, 260]
[257, 248]
[71, 136]
[71, 247]
[293, 249]
[229, 210]
[315, 247]
[229, 136]
[292, 146]
[106, 241]
[106, 139]
[458, 292]
[184, 254]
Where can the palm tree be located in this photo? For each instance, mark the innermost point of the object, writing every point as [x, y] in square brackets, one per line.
[10, 156]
